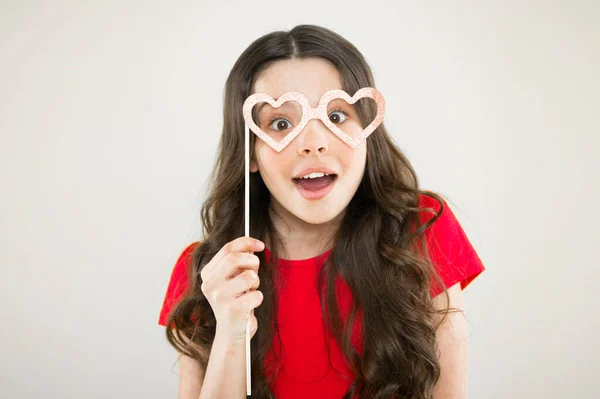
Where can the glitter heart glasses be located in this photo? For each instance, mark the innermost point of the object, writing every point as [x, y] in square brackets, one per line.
[351, 133]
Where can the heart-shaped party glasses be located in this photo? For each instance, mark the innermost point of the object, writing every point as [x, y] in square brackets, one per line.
[351, 132]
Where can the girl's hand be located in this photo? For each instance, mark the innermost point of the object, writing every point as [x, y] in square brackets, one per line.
[229, 282]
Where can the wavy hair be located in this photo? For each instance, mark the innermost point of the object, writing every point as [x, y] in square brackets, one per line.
[381, 228]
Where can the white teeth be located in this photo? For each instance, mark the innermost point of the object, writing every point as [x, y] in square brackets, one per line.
[314, 175]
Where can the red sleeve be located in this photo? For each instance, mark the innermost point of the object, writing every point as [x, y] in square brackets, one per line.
[177, 284]
[451, 252]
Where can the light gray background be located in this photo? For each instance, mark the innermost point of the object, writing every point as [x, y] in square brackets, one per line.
[110, 114]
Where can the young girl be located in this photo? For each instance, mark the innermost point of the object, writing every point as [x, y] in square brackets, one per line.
[360, 286]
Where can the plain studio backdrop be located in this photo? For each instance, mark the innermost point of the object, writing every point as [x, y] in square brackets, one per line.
[110, 115]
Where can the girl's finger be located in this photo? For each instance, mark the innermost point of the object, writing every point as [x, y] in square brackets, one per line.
[240, 244]
[242, 284]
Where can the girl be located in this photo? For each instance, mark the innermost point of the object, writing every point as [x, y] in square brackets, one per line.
[360, 289]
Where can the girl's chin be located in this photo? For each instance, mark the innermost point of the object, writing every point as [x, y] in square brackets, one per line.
[315, 215]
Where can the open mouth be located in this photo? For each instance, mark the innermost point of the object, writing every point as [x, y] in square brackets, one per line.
[316, 184]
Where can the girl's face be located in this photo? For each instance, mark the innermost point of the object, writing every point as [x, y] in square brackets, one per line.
[316, 145]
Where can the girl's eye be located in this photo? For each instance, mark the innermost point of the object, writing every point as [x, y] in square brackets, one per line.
[280, 125]
[337, 118]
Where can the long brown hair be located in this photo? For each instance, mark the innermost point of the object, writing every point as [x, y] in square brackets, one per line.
[381, 228]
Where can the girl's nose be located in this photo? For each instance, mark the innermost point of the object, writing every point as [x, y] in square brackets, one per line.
[314, 137]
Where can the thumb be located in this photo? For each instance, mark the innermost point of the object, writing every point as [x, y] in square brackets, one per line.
[253, 324]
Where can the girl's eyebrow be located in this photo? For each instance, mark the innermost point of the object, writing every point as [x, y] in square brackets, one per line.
[260, 107]
[285, 104]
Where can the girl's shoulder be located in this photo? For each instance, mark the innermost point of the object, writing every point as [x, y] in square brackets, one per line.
[181, 268]
[449, 248]
[177, 282]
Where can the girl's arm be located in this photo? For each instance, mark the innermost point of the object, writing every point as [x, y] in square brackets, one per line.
[225, 374]
[191, 373]
[452, 343]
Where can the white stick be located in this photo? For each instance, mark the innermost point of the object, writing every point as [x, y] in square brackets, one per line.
[247, 233]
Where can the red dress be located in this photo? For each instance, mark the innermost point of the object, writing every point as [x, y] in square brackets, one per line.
[306, 371]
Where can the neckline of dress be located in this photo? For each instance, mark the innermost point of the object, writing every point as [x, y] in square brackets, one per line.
[299, 262]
